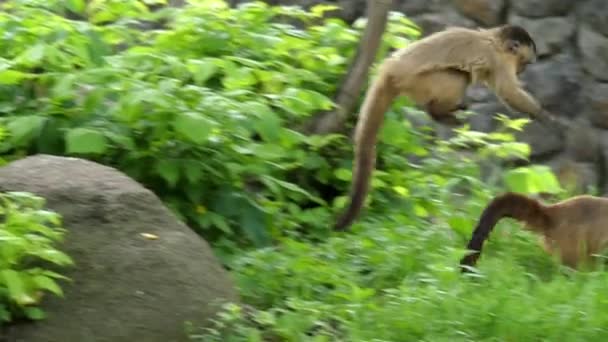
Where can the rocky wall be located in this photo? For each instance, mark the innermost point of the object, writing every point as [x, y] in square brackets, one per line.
[570, 77]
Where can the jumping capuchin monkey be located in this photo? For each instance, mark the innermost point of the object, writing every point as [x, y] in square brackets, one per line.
[573, 229]
[435, 72]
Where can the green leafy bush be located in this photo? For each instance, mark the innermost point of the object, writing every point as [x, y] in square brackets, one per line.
[28, 237]
[203, 109]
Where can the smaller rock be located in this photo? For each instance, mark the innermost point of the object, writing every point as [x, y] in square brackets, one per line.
[550, 34]
[544, 141]
[594, 48]
[595, 14]
[596, 96]
[556, 84]
[486, 12]
[352, 10]
[541, 8]
[434, 22]
[479, 93]
[485, 120]
[603, 169]
[582, 141]
[575, 176]
[416, 7]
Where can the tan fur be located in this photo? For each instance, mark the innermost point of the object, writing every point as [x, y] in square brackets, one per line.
[573, 229]
[434, 72]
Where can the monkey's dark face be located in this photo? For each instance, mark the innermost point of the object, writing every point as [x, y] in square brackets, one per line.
[519, 43]
[520, 55]
[525, 55]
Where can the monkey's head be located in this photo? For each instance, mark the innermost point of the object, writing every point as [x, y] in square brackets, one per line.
[519, 44]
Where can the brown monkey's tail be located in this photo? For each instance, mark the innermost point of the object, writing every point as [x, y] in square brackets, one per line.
[377, 102]
[512, 205]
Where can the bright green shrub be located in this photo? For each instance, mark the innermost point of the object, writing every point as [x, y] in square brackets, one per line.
[203, 111]
[28, 238]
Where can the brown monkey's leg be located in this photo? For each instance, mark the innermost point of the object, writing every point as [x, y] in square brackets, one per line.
[444, 112]
[462, 106]
[569, 255]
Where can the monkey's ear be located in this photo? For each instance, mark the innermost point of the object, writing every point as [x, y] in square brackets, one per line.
[513, 46]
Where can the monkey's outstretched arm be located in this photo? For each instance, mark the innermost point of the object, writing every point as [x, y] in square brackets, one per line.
[506, 85]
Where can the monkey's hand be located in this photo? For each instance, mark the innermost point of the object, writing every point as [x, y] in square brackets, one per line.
[547, 118]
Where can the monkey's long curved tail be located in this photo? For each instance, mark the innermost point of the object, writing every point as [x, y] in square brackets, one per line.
[377, 101]
[512, 205]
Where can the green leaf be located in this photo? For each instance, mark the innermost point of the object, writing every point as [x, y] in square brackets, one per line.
[32, 56]
[54, 256]
[5, 315]
[303, 102]
[16, 287]
[545, 178]
[392, 133]
[96, 48]
[85, 140]
[76, 6]
[193, 170]
[47, 283]
[12, 77]
[239, 78]
[34, 313]
[64, 85]
[253, 223]
[169, 171]
[420, 211]
[343, 174]
[532, 179]
[320, 9]
[122, 141]
[23, 128]
[460, 224]
[220, 222]
[202, 70]
[269, 124]
[193, 126]
[516, 180]
[51, 137]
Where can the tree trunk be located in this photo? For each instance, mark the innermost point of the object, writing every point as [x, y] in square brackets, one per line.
[348, 94]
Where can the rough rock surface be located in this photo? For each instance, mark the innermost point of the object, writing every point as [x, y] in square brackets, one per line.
[594, 47]
[556, 84]
[125, 287]
[542, 8]
[596, 96]
[595, 14]
[551, 34]
[486, 12]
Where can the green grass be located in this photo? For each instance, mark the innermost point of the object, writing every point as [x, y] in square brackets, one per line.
[401, 283]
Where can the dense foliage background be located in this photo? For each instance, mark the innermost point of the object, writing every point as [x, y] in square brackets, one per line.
[203, 105]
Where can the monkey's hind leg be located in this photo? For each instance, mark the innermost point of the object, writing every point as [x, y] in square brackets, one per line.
[444, 113]
[446, 90]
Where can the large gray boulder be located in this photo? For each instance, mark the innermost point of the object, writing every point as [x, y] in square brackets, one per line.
[126, 287]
